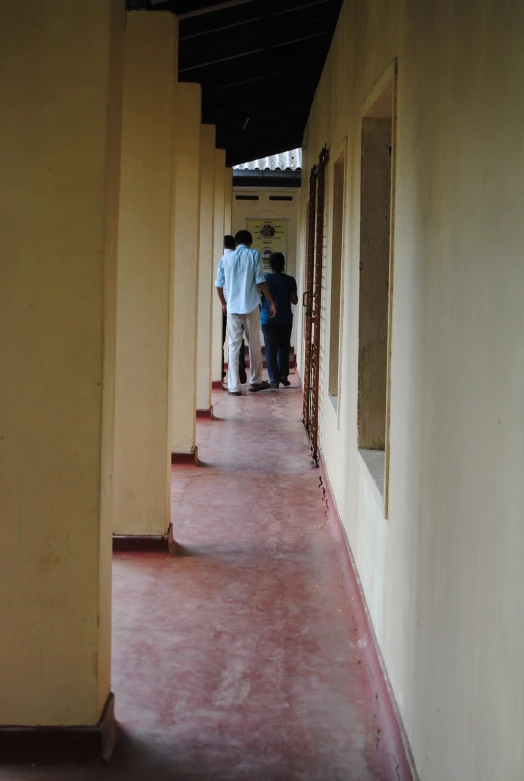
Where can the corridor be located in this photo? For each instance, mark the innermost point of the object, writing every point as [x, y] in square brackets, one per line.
[239, 660]
[378, 148]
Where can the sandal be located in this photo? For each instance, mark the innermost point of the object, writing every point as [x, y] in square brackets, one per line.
[259, 386]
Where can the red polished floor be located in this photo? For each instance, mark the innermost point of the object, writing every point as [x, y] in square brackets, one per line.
[237, 661]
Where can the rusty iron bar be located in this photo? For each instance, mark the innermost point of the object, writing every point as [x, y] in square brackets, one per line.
[308, 295]
[317, 302]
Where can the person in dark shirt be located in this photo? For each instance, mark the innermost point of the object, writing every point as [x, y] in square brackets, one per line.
[277, 329]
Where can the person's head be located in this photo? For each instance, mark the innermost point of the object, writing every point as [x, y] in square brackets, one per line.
[277, 262]
[244, 237]
[229, 242]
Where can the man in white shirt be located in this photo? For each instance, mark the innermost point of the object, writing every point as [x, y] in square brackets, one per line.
[240, 272]
[230, 246]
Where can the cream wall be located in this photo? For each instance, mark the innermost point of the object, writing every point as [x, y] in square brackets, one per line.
[206, 266]
[228, 200]
[142, 446]
[186, 239]
[243, 210]
[443, 576]
[60, 139]
[218, 251]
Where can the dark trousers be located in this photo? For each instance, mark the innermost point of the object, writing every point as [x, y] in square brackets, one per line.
[242, 354]
[277, 339]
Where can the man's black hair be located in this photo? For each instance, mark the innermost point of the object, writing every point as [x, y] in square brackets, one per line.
[277, 262]
[244, 237]
[229, 242]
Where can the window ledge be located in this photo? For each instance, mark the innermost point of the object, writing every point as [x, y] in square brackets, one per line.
[375, 464]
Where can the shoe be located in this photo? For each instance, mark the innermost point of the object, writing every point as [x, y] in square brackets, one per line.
[235, 393]
[275, 384]
[285, 383]
[259, 386]
[242, 374]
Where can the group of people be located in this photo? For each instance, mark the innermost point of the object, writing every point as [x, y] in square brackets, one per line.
[250, 299]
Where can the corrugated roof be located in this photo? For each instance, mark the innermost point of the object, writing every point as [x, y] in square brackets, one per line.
[291, 160]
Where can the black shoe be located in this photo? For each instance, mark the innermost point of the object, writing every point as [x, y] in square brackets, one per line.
[235, 393]
[285, 383]
[242, 374]
[259, 386]
[275, 384]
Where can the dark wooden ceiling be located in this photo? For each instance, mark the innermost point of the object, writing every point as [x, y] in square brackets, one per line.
[258, 61]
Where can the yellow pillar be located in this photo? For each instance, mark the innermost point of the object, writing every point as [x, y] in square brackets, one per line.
[218, 251]
[142, 446]
[206, 267]
[60, 142]
[186, 273]
[228, 201]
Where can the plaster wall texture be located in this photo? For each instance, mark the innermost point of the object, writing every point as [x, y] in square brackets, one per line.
[61, 93]
[206, 279]
[145, 269]
[186, 271]
[443, 575]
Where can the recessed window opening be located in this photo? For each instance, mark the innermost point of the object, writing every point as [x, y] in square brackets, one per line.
[246, 197]
[280, 197]
[376, 194]
[339, 178]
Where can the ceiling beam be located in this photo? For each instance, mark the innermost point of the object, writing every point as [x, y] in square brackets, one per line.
[209, 9]
[307, 71]
[214, 30]
[300, 7]
[258, 18]
[222, 59]
[253, 51]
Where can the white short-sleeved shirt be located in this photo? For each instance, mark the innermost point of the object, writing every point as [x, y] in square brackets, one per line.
[239, 273]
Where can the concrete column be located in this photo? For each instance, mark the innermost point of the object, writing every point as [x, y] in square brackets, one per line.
[206, 267]
[228, 200]
[186, 273]
[218, 251]
[59, 182]
[142, 446]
